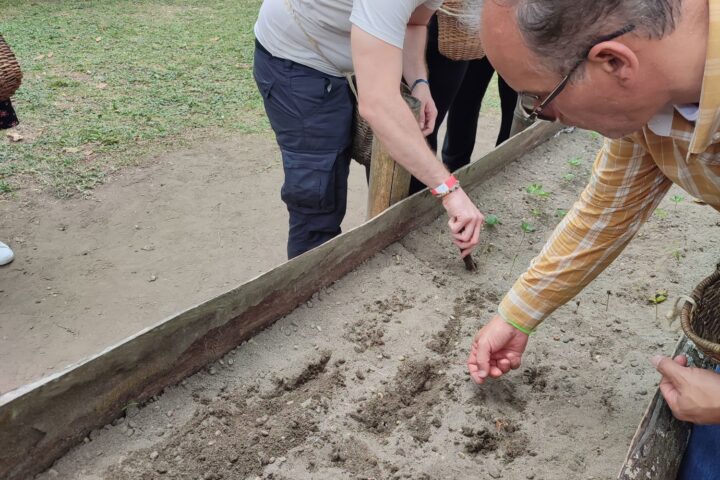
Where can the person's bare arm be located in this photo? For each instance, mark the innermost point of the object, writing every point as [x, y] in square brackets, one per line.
[378, 68]
[415, 66]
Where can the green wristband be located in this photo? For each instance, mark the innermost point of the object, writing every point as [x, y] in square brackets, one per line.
[524, 330]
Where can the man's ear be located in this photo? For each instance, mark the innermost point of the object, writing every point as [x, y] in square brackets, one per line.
[616, 59]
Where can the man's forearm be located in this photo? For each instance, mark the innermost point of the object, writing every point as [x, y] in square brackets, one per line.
[394, 125]
[414, 64]
[609, 213]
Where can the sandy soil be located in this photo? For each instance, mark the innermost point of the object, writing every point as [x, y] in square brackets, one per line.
[157, 239]
[367, 380]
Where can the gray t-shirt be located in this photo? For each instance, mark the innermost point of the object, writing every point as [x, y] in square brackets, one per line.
[329, 23]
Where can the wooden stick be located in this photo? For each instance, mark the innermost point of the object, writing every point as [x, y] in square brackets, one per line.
[470, 264]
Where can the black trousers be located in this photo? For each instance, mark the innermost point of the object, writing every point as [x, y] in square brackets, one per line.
[458, 88]
[311, 114]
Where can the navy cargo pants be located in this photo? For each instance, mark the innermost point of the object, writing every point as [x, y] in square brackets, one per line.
[311, 114]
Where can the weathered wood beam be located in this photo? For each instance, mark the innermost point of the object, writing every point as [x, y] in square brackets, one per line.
[658, 447]
[39, 422]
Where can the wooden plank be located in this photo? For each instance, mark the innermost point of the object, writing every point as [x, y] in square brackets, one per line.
[658, 447]
[39, 422]
[389, 182]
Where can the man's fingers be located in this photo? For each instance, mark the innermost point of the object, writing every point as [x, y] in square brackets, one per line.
[670, 370]
[454, 225]
[514, 360]
[670, 394]
[481, 358]
[431, 117]
[504, 365]
[473, 369]
[495, 372]
[476, 232]
[681, 360]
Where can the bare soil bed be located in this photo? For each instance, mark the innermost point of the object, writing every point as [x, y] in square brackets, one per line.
[368, 379]
[173, 232]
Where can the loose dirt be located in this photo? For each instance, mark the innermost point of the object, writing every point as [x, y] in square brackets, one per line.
[175, 231]
[368, 379]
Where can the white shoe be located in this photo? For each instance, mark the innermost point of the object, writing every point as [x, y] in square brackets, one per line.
[6, 254]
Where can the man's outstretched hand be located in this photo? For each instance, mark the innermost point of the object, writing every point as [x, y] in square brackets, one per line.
[496, 349]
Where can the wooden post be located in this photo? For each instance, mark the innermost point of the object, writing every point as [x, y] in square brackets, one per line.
[389, 182]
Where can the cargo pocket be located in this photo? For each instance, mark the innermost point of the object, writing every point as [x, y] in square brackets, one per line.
[309, 181]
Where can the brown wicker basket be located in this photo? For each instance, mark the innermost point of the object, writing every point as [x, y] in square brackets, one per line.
[701, 322]
[455, 40]
[362, 135]
[10, 74]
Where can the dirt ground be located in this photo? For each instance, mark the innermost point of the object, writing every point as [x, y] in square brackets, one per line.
[368, 381]
[154, 241]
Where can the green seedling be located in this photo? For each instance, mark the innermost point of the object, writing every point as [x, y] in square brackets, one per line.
[492, 221]
[560, 213]
[677, 255]
[526, 228]
[660, 213]
[594, 135]
[568, 177]
[659, 297]
[536, 212]
[677, 199]
[537, 189]
[575, 162]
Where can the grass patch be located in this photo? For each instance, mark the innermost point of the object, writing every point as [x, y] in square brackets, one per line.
[107, 82]
[491, 100]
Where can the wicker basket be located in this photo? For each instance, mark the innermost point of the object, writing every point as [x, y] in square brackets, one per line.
[701, 323]
[10, 74]
[455, 41]
[362, 135]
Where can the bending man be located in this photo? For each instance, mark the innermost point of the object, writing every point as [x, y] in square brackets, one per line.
[303, 50]
[643, 73]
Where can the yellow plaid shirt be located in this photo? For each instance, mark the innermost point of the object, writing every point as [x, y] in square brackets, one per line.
[630, 178]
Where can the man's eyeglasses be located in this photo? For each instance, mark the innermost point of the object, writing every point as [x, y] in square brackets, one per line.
[531, 105]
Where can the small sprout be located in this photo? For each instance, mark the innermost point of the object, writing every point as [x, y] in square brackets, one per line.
[594, 135]
[575, 162]
[677, 199]
[560, 213]
[568, 177]
[677, 254]
[526, 227]
[659, 297]
[537, 189]
[492, 221]
[660, 213]
[536, 212]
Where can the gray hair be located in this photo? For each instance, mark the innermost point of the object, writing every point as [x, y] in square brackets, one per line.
[562, 31]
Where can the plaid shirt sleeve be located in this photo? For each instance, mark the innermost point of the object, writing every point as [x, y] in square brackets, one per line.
[625, 188]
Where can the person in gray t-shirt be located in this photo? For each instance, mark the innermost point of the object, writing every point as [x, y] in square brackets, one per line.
[304, 48]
